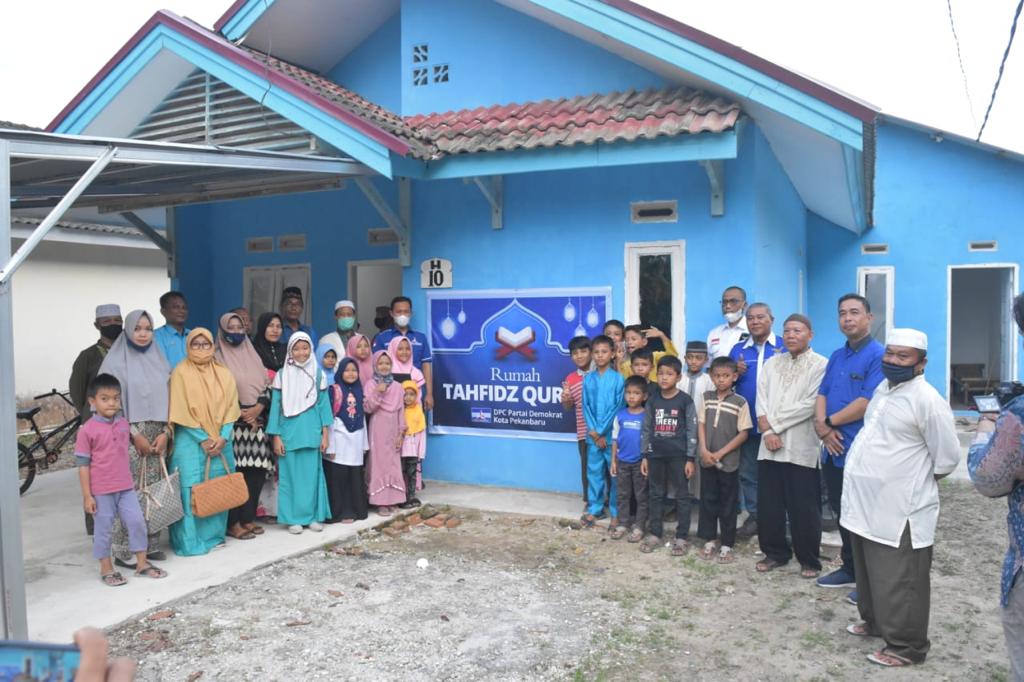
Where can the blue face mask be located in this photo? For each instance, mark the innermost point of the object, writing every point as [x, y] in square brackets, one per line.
[234, 338]
[897, 374]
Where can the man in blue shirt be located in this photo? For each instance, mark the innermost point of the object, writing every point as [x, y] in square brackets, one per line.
[171, 337]
[851, 376]
[291, 312]
[401, 313]
[749, 356]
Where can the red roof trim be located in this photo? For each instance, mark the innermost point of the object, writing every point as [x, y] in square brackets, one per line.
[240, 57]
[226, 17]
[805, 85]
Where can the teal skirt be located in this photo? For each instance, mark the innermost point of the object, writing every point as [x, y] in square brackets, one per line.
[192, 536]
[301, 488]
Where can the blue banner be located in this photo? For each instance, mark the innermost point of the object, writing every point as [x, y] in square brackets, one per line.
[500, 356]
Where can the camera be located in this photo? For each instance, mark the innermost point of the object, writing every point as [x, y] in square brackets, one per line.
[1000, 397]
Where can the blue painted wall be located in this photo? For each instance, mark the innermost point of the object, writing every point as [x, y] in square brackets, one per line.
[212, 255]
[497, 55]
[931, 199]
[373, 69]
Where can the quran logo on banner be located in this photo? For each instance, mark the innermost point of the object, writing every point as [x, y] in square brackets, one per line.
[500, 357]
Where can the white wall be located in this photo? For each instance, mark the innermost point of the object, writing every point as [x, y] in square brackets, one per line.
[976, 317]
[56, 293]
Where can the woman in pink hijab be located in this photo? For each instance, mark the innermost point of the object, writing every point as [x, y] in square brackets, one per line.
[383, 400]
[400, 352]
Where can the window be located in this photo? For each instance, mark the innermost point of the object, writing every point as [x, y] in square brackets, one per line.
[655, 282]
[420, 76]
[262, 288]
[420, 53]
[877, 285]
[441, 73]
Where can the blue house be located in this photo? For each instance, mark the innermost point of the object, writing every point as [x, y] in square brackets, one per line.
[558, 163]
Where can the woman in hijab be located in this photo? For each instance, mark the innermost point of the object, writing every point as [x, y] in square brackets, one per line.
[346, 452]
[384, 401]
[267, 342]
[249, 442]
[300, 415]
[400, 352]
[359, 349]
[140, 366]
[203, 410]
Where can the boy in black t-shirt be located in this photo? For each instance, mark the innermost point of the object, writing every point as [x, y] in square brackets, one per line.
[669, 446]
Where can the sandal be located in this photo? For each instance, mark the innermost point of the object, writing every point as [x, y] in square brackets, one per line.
[254, 529]
[635, 535]
[767, 565]
[243, 535]
[383, 511]
[680, 547]
[650, 544]
[709, 550]
[860, 630]
[151, 572]
[725, 555]
[617, 532]
[886, 658]
[587, 521]
[113, 579]
[808, 573]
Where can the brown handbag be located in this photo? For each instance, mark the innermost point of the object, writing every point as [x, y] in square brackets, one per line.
[220, 494]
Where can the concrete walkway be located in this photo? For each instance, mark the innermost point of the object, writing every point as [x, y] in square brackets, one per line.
[63, 588]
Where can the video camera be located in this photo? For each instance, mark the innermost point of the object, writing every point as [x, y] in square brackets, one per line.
[1000, 397]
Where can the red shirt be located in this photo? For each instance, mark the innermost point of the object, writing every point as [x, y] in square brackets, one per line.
[105, 444]
[575, 381]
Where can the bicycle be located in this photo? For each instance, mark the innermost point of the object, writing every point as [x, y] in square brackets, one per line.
[50, 443]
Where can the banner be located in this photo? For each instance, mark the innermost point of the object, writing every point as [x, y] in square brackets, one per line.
[500, 356]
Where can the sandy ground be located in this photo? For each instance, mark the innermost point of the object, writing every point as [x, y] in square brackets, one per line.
[511, 597]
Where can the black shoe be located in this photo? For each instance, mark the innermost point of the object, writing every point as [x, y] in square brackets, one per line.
[158, 555]
[123, 564]
[748, 529]
[408, 505]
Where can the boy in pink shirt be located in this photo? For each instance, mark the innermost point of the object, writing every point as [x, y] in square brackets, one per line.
[572, 397]
[108, 493]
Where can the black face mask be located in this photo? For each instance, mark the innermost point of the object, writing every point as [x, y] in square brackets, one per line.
[111, 331]
[234, 338]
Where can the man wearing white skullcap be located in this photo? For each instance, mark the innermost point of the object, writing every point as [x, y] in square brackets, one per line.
[890, 500]
[108, 323]
[346, 327]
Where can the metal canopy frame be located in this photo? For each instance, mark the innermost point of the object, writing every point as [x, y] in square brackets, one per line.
[116, 175]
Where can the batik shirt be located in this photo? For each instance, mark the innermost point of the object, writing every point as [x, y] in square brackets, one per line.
[996, 464]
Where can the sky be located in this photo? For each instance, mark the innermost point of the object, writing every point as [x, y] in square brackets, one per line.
[899, 55]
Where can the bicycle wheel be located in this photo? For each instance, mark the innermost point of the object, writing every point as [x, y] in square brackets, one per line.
[26, 468]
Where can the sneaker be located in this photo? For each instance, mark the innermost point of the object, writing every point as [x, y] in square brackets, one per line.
[748, 529]
[316, 526]
[837, 578]
[295, 529]
[851, 598]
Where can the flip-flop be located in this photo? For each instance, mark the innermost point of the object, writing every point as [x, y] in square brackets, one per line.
[151, 572]
[650, 544]
[888, 659]
[708, 551]
[247, 535]
[726, 556]
[767, 565]
[587, 521]
[808, 573]
[680, 547]
[113, 579]
[254, 529]
[616, 532]
[859, 630]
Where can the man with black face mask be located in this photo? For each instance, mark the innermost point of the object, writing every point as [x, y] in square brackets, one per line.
[109, 324]
[890, 500]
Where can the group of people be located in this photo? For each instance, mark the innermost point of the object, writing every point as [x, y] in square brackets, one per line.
[319, 431]
[756, 422]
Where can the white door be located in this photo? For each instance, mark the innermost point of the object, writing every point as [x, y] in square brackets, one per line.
[655, 287]
[262, 288]
[373, 283]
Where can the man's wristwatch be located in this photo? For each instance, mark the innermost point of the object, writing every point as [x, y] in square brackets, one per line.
[828, 422]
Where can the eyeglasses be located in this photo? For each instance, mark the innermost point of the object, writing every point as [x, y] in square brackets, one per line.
[731, 301]
[201, 345]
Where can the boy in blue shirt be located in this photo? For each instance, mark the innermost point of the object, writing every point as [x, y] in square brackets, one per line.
[631, 483]
[602, 399]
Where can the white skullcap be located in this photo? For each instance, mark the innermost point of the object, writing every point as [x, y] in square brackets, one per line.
[910, 338]
[344, 304]
[108, 310]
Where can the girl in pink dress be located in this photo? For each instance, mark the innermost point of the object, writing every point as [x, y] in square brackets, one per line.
[383, 400]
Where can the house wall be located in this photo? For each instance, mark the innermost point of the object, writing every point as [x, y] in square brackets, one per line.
[931, 199]
[55, 295]
[374, 68]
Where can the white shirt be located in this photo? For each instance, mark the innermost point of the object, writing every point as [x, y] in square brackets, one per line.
[700, 385]
[787, 388]
[722, 338]
[889, 477]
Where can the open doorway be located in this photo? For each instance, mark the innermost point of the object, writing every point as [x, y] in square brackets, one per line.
[373, 283]
[982, 348]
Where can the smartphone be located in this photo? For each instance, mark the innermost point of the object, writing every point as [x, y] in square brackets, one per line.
[986, 403]
[37, 661]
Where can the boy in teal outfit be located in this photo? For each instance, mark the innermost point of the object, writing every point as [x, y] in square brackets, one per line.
[300, 415]
[602, 399]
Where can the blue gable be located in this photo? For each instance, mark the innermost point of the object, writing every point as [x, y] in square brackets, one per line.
[373, 69]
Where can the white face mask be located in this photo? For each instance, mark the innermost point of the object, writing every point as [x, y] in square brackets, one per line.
[733, 318]
[402, 320]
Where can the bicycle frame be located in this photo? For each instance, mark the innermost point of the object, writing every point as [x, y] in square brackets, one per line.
[67, 431]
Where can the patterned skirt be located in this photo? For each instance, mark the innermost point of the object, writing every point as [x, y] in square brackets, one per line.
[251, 447]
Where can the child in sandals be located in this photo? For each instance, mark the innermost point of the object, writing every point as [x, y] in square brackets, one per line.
[723, 426]
[108, 491]
[632, 485]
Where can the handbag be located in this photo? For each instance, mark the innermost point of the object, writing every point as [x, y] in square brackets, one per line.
[220, 494]
[161, 501]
